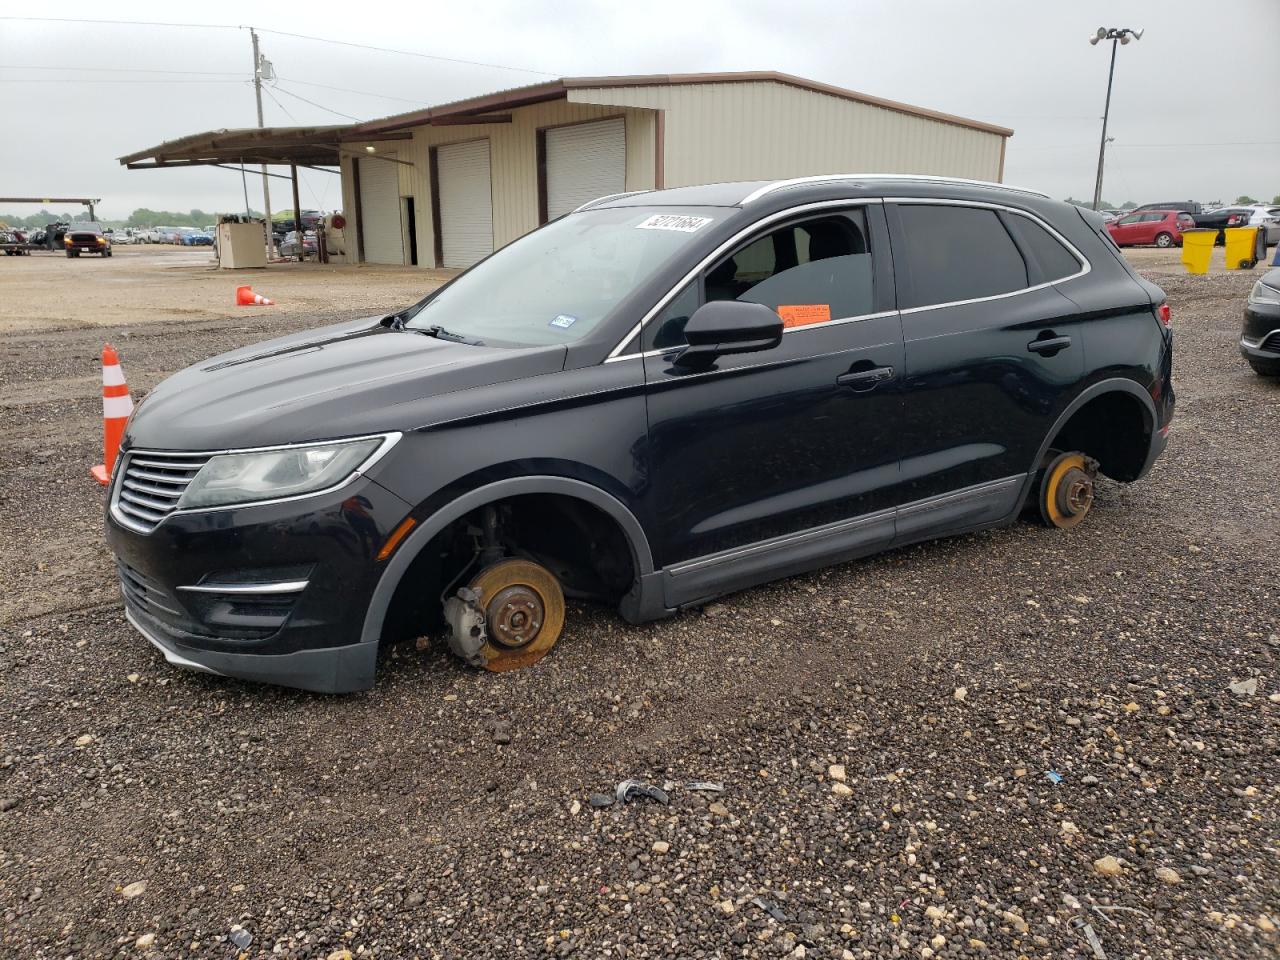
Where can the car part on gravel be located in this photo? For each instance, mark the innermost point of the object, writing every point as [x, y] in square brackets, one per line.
[628, 789]
[771, 908]
[1066, 492]
[509, 616]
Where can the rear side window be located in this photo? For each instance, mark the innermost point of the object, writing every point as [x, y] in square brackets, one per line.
[1053, 259]
[957, 253]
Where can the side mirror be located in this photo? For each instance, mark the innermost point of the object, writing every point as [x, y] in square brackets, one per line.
[723, 327]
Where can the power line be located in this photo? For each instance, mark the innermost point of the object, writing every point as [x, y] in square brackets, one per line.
[284, 33]
[320, 105]
[363, 93]
[97, 81]
[407, 53]
[200, 73]
[268, 92]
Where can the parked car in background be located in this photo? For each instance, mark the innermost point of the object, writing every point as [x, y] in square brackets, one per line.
[1186, 206]
[86, 238]
[1260, 338]
[193, 237]
[289, 246]
[1222, 218]
[13, 242]
[122, 235]
[1160, 228]
[763, 379]
[1267, 219]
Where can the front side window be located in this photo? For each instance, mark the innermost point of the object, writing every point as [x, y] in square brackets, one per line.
[1132, 218]
[807, 272]
[560, 282]
[957, 253]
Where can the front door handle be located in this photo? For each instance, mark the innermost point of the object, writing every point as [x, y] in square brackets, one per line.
[865, 379]
[1047, 344]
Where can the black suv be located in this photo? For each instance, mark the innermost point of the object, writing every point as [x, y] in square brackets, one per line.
[657, 399]
[1260, 338]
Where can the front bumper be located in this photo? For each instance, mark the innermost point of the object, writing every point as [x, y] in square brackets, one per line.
[274, 593]
[1260, 335]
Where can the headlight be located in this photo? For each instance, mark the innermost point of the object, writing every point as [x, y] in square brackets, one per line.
[235, 478]
[1261, 293]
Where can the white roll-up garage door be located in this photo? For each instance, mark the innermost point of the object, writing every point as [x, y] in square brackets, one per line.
[466, 202]
[584, 161]
[380, 211]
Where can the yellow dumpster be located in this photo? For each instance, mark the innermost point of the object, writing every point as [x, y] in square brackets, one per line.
[1197, 248]
[1242, 244]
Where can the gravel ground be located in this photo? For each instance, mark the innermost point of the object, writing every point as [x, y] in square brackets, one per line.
[967, 748]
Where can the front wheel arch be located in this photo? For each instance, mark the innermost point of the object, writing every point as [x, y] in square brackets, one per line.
[428, 529]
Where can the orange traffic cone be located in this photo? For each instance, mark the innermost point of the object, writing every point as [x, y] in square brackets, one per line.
[116, 407]
[245, 297]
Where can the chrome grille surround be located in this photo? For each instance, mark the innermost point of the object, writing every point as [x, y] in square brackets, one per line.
[149, 486]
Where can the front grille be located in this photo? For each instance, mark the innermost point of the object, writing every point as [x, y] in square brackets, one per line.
[146, 595]
[150, 485]
[1272, 343]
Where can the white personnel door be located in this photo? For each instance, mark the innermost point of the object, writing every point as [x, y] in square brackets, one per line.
[466, 203]
[584, 161]
[380, 211]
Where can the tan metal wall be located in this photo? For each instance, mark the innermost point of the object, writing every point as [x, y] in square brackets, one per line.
[763, 130]
[513, 157]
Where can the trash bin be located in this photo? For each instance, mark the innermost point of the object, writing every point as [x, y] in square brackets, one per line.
[1197, 248]
[1242, 248]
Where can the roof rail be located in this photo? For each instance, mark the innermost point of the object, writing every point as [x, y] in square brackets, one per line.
[922, 178]
[612, 196]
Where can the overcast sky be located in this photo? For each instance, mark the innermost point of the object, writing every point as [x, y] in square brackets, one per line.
[1188, 122]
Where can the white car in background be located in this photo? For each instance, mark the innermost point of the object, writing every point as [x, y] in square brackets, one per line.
[1266, 217]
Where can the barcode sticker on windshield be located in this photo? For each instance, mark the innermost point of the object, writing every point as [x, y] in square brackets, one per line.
[671, 221]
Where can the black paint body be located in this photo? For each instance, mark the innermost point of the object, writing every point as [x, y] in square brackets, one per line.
[759, 467]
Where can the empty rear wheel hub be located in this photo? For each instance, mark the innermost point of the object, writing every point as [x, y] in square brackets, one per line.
[1066, 493]
[515, 616]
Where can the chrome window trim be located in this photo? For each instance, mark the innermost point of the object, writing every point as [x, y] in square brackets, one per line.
[389, 440]
[615, 354]
[1086, 266]
[278, 586]
[913, 177]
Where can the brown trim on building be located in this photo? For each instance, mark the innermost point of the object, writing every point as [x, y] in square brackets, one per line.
[433, 163]
[355, 190]
[507, 99]
[771, 76]
[1004, 142]
[660, 149]
[541, 139]
[470, 120]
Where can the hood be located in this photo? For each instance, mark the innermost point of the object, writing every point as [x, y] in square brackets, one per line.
[337, 381]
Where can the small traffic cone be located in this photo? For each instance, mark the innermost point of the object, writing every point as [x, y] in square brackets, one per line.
[245, 297]
[116, 408]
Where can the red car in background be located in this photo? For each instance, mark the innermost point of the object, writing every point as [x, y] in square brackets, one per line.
[1163, 228]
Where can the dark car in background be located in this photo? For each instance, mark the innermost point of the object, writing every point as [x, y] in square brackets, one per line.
[1183, 206]
[86, 238]
[1260, 338]
[1222, 218]
[655, 400]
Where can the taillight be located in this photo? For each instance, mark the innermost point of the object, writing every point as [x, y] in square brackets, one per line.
[1162, 312]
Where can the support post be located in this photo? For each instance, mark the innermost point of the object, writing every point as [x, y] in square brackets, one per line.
[297, 213]
[1106, 114]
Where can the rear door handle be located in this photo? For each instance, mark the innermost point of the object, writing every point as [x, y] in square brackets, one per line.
[865, 379]
[1049, 345]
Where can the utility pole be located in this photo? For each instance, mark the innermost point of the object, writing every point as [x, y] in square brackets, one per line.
[257, 92]
[1120, 36]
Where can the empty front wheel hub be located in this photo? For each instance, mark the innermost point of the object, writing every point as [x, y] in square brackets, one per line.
[523, 612]
[515, 616]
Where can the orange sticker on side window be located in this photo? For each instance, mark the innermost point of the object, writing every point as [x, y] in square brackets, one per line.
[803, 314]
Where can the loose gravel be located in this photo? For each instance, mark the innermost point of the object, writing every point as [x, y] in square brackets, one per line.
[1012, 744]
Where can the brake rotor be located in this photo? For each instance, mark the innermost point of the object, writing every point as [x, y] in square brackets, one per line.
[1067, 491]
[524, 613]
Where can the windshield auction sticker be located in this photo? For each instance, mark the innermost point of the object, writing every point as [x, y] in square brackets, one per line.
[803, 314]
[672, 221]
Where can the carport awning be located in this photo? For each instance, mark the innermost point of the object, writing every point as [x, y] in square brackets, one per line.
[303, 146]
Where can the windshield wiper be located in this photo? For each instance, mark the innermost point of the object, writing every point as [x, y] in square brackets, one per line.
[440, 333]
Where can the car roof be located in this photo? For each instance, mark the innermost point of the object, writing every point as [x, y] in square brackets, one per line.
[746, 192]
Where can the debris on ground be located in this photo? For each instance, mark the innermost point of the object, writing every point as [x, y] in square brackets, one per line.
[241, 937]
[771, 908]
[629, 789]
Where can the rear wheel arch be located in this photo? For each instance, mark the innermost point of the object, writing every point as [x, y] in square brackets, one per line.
[492, 493]
[1111, 421]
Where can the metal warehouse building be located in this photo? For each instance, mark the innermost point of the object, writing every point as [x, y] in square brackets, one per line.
[445, 186]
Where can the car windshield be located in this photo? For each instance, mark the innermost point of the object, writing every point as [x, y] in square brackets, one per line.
[557, 284]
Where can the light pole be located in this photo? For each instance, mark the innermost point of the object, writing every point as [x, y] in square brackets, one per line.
[1115, 35]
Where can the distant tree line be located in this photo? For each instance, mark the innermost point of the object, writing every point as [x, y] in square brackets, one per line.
[142, 217]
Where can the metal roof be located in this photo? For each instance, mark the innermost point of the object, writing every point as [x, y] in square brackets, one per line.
[305, 146]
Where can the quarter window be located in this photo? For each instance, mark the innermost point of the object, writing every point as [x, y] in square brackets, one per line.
[1053, 259]
[957, 253]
